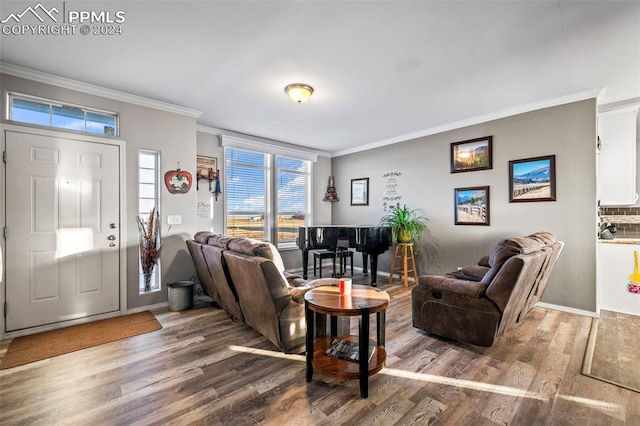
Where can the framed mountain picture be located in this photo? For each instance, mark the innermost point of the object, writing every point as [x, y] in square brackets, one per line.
[532, 179]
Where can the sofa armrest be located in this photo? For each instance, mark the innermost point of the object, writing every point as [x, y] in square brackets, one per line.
[293, 282]
[484, 261]
[289, 276]
[473, 289]
[470, 273]
[298, 292]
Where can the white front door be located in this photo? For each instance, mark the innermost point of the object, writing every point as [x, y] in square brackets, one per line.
[63, 229]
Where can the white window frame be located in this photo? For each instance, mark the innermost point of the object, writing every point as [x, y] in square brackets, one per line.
[274, 190]
[267, 168]
[272, 150]
[157, 272]
[12, 96]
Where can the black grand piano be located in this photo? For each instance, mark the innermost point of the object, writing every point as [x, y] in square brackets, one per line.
[370, 240]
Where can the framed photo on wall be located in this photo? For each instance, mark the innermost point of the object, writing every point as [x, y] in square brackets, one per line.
[206, 167]
[472, 205]
[532, 179]
[360, 192]
[471, 155]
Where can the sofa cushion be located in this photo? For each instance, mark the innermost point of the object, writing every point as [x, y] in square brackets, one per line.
[252, 247]
[203, 236]
[219, 241]
[505, 249]
[546, 238]
[525, 245]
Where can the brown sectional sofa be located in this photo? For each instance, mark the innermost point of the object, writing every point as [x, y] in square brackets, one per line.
[478, 303]
[247, 279]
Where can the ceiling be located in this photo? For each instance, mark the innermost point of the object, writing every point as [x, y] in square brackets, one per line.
[382, 71]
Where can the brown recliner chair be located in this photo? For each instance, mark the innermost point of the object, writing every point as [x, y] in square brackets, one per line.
[479, 311]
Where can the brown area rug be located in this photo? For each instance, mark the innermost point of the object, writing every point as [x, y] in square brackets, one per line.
[612, 350]
[36, 347]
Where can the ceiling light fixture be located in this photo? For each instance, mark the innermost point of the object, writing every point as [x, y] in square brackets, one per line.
[298, 92]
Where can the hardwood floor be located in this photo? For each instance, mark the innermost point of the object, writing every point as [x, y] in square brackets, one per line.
[203, 368]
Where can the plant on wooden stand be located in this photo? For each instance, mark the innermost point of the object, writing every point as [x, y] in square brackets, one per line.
[149, 233]
[405, 223]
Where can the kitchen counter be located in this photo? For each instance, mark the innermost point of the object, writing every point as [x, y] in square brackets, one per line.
[621, 241]
[620, 218]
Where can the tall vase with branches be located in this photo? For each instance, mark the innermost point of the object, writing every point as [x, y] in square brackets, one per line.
[149, 233]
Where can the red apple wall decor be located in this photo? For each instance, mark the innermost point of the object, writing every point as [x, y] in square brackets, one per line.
[178, 181]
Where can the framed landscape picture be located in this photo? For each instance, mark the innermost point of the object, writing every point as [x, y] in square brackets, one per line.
[472, 206]
[471, 155]
[532, 179]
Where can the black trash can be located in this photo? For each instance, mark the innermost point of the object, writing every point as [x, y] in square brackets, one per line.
[181, 295]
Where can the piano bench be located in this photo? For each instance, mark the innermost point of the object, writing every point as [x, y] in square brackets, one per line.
[342, 255]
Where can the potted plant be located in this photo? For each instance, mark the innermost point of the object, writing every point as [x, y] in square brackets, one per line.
[405, 223]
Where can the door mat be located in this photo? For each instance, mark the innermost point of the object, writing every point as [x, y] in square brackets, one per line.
[612, 350]
[36, 347]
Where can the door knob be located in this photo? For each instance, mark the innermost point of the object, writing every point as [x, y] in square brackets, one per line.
[111, 237]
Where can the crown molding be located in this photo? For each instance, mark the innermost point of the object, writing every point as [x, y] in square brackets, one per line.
[90, 89]
[607, 100]
[241, 140]
[576, 97]
[210, 130]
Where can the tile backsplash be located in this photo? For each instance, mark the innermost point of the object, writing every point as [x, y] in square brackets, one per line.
[627, 227]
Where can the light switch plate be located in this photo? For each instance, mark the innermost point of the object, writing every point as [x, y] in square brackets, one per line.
[174, 219]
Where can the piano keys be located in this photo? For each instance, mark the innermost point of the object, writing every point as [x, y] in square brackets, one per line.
[370, 240]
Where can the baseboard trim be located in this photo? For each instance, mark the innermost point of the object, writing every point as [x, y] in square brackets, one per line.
[154, 307]
[568, 309]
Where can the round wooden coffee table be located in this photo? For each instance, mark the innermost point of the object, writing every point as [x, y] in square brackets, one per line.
[362, 302]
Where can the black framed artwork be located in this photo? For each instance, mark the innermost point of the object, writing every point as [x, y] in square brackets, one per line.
[360, 192]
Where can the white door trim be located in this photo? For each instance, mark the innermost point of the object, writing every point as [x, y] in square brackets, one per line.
[123, 220]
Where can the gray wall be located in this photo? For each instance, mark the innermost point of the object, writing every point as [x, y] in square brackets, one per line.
[174, 136]
[568, 131]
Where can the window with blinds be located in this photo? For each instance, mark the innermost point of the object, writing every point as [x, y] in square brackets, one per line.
[292, 194]
[247, 175]
[45, 112]
[267, 196]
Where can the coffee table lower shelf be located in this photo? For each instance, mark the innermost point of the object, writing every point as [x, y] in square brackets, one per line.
[341, 368]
